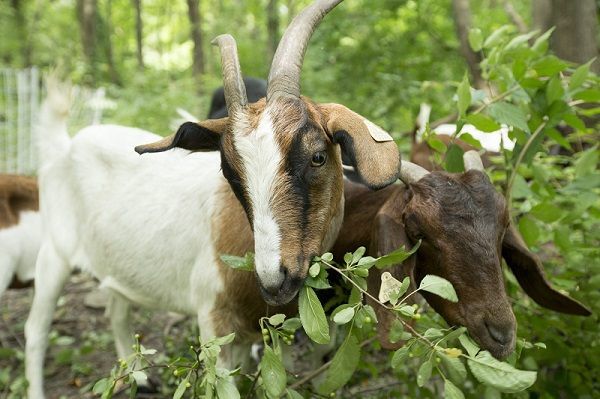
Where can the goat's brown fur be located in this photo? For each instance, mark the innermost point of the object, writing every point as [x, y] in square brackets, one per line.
[17, 194]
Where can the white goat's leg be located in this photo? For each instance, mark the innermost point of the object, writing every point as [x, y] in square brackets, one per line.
[118, 310]
[51, 274]
[7, 272]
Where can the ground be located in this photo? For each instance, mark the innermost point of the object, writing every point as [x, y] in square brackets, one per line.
[81, 349]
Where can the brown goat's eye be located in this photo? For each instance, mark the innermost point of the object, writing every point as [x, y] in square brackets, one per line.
[319, 158]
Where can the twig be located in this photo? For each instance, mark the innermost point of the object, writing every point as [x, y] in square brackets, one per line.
[515, 17]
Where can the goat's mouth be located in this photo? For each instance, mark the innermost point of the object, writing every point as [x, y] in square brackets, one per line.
[498, 340]
[283, 294]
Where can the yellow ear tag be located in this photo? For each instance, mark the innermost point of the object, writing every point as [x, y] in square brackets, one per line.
[388, 285]
[377, 133]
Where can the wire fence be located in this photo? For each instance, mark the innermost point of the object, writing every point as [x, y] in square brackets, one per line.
[21, 93]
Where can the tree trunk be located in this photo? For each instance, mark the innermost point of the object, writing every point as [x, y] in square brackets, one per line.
[462, 21]
[137, 4]
[21, 25]
[196, 33]
[575, 37]
[86, 15]
[108, 47]
[272, 28]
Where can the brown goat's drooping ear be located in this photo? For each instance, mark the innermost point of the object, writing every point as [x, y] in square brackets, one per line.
[528, 270]
[368, 148]
[201, 136]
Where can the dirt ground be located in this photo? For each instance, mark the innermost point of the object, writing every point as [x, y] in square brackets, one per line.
[81, 347]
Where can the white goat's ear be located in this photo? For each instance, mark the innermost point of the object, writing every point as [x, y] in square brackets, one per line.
[201, 136]
[365, 146]
[529, 272]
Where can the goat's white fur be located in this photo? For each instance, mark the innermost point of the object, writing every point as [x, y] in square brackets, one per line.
[140, 224]
[19, 246]
[261, 159]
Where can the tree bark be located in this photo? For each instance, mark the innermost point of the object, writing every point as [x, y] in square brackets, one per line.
[196, 33]
[108, 47]
[86, 15]
[272, 28]
[462, 21]
[139, 40]
[575, 37]
[21, 25]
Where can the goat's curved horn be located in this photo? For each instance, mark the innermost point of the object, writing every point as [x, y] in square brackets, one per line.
[411, 173]
[472, 161]
[233, 83]
[284, 76]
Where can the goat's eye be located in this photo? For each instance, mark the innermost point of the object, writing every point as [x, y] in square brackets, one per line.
[319, 158]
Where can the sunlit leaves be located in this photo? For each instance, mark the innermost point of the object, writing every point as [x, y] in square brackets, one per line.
[509, 114]
[439, 286]
[464, 95]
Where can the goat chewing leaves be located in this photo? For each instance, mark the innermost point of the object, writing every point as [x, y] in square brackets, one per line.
[245, 263]
[438, 286]
[500, 375]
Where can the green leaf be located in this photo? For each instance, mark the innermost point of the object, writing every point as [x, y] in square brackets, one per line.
[579, 77]
[226, 389]
[424, 373]
[554, 90]
[436, 144]
[546, 212]
[454, 159]
[529, 230]
[470, 346]
[464, 95]
[312, 316]
[497, 36]
[327, 257]
[451, 391]
[455, 368]
[237, 262]
[397, 332]
[500, 375]
[589, 95]
[101, 386]
[550, 66]
[510, 115]
[276, 319]
[433, 333]
[475, 39]
[139, 375]
[314, 269]
[358, 254]
[181, 388]
[344, 316]
[520, 39]
[483, 122]
[400, 356]
[292, 324]
[342, 366]
[225, 340]
[396, 257]
[439, 286]
[272, 373]
[541, 43]
[587, 163]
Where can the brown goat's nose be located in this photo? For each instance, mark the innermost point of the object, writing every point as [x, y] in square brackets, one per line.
[501, 334]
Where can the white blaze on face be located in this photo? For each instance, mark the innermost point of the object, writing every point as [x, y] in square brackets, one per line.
[261, 158]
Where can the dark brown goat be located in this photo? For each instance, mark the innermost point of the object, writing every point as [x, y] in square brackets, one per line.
[465, 230]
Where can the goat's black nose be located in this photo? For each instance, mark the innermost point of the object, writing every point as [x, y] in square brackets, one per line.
[502, 335]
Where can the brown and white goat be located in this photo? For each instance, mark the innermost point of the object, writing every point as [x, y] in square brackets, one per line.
[151, 228]
[20, 230]
[465, 231]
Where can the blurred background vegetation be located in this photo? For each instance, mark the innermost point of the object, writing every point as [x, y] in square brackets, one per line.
[383, 59]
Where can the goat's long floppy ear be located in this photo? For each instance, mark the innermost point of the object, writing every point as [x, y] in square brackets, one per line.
[388, 235]
[201, 136]
[365, 146]
[529, 272]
